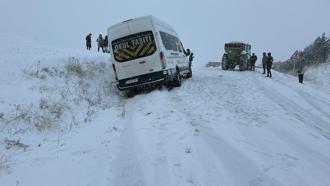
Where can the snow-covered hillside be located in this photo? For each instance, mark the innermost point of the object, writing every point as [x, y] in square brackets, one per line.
[219, 128]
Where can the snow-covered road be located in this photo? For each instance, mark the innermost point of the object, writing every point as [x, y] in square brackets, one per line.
[225, 128]
[219, 128]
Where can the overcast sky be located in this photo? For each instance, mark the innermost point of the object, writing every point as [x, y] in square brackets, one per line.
[279, 26]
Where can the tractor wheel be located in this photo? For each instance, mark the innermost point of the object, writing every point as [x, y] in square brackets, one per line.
[224, 63]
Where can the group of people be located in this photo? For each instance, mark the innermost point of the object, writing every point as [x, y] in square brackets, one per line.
[267, 63]
[102, 43]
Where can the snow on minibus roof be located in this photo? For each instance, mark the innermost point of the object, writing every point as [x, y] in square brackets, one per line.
[155, 20]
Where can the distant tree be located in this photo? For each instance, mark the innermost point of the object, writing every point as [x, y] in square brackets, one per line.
[318, 51]
[315, 53]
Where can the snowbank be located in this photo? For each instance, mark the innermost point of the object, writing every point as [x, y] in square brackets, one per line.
[40, 84]
[44, 89]
[319, 76]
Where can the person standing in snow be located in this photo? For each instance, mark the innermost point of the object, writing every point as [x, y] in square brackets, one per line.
[253, 60]
[99, 43]
[269, 64]
[105, 44]
[300, 76]
[89, 41]
[264, 61]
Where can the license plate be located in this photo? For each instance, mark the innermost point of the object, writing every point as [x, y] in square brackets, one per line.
[131, 81]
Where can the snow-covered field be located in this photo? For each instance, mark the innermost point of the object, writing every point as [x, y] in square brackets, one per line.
[219, 128]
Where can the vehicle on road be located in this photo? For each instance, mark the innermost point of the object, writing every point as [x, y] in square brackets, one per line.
[147, 51]
[236, 54]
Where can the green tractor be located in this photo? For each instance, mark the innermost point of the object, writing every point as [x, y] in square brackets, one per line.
[236, 53]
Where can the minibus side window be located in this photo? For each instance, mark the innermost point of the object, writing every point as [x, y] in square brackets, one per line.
[170, 42]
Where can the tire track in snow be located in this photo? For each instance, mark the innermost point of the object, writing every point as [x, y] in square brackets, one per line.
[312, 99]
[153, 142]
[239, 168]
[308, 98]
[305, 117]
[125, 168]
[304, 90]
[300, 113]
[222, 162]
[220, 94]
[257, 89]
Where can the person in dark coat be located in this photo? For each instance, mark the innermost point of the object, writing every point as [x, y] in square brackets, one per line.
[253, 60]
[99, 43]
[300, 76]
[105, 44]
[191, 57]
[264, 61]
[269, 64]
[89, 41]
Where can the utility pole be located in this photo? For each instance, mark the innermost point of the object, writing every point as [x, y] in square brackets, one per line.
[328, 50]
